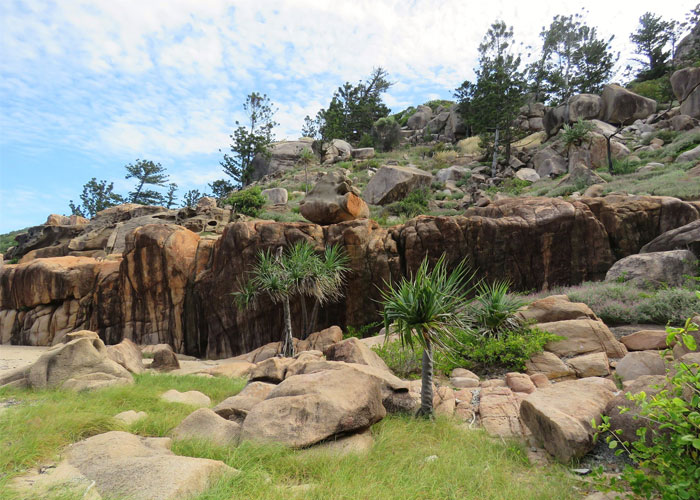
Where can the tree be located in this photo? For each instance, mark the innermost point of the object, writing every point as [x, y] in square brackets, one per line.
[147, 173]
[306, 158]
[352, 110]
[96, 196]
[170, 197]
[491, 104]
[247, 142]
[574, 60]
[191, 197]
[311, 128]
[386, 133]
[427, 309]
[221, 188]
[297, 272]
[650, 39]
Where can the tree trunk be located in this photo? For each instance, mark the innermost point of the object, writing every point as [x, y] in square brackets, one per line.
[494, 161]
[288, 345]
[304, 319]
[314, 317]
[426, 391]
[607, 144]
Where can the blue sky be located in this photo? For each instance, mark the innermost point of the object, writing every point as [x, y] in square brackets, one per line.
[87, 87]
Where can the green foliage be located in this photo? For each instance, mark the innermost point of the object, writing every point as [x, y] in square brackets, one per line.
[7, 240]
[220, 188]
[650, 40]
[386, 133]
[403, 361]
[354, 109]
[170, 195]
[493, 101]
[573, 60]
[366, 141]
[667, 456]
[360, 332]
[624, 166]
[147, 173]
[415, 203]
[436, 103]
[96, 196]
[247, 201]
[247, 142]
[576, 133]
[658, 89]
[191, 197]
[492, 313]
[513, 187]
[626, 303]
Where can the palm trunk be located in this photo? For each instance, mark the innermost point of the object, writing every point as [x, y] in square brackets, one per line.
[314, 317]
[426, 391]
[304, 319]
[288, 346]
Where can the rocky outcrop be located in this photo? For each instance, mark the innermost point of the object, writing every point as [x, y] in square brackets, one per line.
[171, 286]
[332, 200]
[682, 238]
[283, 156]
[393, 183]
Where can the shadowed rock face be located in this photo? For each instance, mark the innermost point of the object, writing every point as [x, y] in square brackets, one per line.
[170, 286]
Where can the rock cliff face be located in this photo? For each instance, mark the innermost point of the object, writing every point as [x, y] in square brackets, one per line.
[170, 286]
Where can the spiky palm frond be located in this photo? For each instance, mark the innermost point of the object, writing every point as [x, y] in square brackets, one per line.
[494, 309]
[429, 306]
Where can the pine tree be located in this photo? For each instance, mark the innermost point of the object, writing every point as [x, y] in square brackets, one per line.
[96, 196]
[147, 173]
[651, 38]
[247, 142]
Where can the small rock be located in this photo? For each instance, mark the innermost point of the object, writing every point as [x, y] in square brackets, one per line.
[192, 398]
[130, 416]
[204, 424]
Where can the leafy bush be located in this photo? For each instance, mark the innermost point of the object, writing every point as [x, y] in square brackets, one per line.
[404, 361]
[683, 143]
[666, 459]
[658, 89]
[360, 332]
[436, 103]
[247, 201]
[626, 303]
[7, 240]
[415, 203]
[366, 141]
[666, 135]
[574, 134]
[493, 310]
[624, 166]
[445, 157]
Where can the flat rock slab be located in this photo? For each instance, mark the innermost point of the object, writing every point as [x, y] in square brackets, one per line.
[205, 425]
[582, 336]
[192, 398]
[639, 363]
[645, 340]
[123, 465]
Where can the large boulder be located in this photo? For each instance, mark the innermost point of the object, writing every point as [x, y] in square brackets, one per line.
[620, 106]
[554, 119]
[122, 465]
[549, 364]
[638, 363]
[625, 414]
[549, 163]
[393, 183]
[499, 411]
[336, 150]
[690, 155]
[582, 336]
[682, 238]
[585, 107]
[559, 416]
[307, 409]
[645, 340]
[353, 351]
[419, 119]
[318, 341]
[332, 200]
[655, 268]
[80, 364]
[275, 196]
[556, 308]
[283, 156]
[453, 173]
[205, 425]
[127, 354]
[685, 83]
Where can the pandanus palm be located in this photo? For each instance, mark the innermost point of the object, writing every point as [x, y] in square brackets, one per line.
[426, 309]
[297, 272]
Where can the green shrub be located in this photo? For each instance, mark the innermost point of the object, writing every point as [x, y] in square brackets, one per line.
[683, 143]
[624, 166]
[360, 332]
[386, 133]
[247, 201]
[666, 459]
[436, 103]
[493, 310]
[7, 240]
[574, 134]
[366, 141]
[415, 203]
[402, 360]
[658, 89]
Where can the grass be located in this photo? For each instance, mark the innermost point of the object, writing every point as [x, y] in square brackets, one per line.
[7, 240]
[625, 303]
[48, 420]
[469, 464]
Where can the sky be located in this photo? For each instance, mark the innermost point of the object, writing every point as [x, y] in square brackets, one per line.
[87, 87]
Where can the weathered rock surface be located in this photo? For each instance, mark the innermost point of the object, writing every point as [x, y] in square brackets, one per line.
[192, 398]
[582, 336]
[164, 360]
[559, 416]
[393, 183]
[206, 425]
[654, 269]
[549, 364]
[500, 412]
[620, 106]
[306, 409]
[628, 420]
[645, 340]
[590, 365]
[549, 163]
[556, 308]
[353, 351]
[127, 354]
[275, 196]
[332, 200]
[236, 407]
[682, 238]
[283, 156]
[123, 465]
[130, 416]
[685, 83]
[639, 363]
